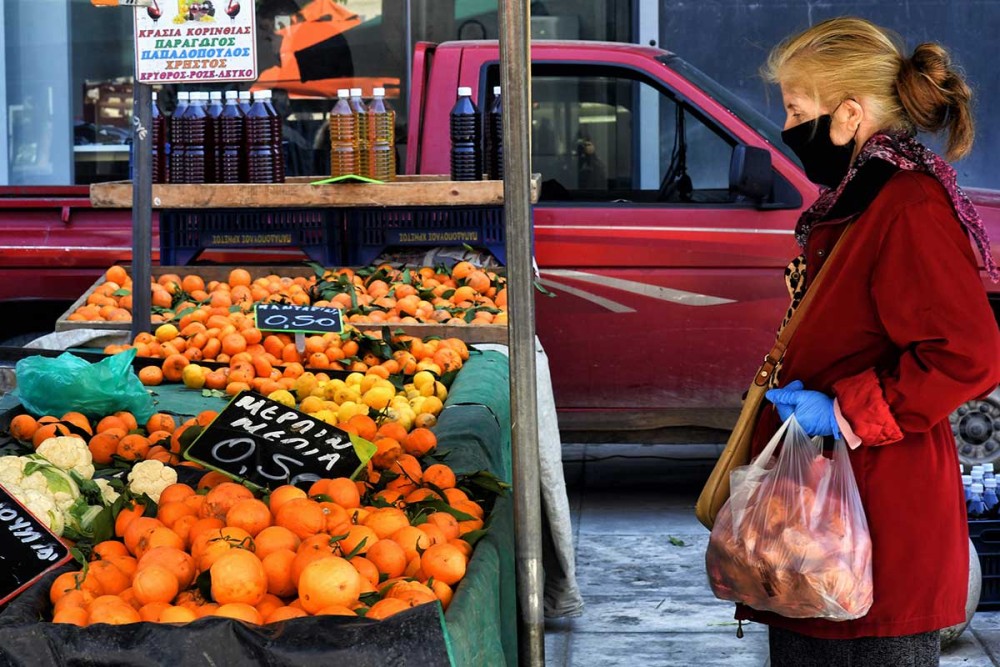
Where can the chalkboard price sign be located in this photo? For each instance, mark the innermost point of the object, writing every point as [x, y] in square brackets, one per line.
[268, 444]
[27, 548]
[299, 319]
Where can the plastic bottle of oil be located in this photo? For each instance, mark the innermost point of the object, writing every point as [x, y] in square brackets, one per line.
[382, 123]
[363, 124]
[343, 137]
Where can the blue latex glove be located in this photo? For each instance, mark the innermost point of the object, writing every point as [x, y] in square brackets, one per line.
[812, 409]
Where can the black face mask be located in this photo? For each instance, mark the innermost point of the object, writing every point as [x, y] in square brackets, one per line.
[825, 162]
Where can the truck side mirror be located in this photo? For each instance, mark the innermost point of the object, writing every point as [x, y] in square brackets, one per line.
[750, 173]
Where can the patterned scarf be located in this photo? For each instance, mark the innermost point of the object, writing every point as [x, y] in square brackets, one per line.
[905, 152]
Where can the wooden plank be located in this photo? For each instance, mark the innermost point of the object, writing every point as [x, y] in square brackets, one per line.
[296, 192]
[63, 324]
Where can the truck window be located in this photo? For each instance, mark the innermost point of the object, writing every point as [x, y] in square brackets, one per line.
[607, 134]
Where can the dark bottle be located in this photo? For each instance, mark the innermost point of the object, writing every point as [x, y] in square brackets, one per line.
[178, 139]
[278, 149]
[245, 100]
[195, 148]
[466, 139]
[159, 143]
[382, 123]
[494, 137]
[212, 144]
[362, 122]
[231, 153]
[343, 137]
[260, 147]
[990, 500]
[976, 507]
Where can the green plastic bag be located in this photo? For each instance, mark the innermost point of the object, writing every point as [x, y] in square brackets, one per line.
[55, 386]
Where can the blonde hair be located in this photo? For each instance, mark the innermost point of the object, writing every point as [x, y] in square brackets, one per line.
[849, 57]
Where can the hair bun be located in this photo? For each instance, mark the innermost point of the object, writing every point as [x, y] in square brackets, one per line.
[935, 96]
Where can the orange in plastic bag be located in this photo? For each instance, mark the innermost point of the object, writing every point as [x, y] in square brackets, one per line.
[793, 538]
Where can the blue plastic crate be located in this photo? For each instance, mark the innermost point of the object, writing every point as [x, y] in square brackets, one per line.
[985, 534]
[370, 231]
[185, 233]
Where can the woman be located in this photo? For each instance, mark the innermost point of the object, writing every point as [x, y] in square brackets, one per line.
[900, 333]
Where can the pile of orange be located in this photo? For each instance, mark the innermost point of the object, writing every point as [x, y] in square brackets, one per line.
[273, 362]
[340, 549]
[383, 294]
[118, 435]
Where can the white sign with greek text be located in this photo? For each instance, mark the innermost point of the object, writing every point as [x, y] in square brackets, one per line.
[196, 41]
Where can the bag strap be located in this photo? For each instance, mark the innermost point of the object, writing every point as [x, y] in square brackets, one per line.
[773, 358]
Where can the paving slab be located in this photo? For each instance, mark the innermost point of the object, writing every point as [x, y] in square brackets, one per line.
[683, 649]
[966, 651]
[609, 511]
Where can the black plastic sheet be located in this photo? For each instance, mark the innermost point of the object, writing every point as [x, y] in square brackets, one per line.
[415, 637]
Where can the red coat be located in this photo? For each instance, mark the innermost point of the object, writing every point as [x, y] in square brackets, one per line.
[902, 334]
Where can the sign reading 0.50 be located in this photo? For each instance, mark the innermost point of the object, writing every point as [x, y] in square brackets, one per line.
[299, 319]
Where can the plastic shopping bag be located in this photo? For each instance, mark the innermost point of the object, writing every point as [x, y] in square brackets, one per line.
[793, 538]
[55, 386]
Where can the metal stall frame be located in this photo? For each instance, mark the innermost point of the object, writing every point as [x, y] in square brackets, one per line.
[515, 79]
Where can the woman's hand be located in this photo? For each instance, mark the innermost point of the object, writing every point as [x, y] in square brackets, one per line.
[812, 409]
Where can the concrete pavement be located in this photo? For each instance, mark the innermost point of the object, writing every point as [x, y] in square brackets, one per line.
[640, 564]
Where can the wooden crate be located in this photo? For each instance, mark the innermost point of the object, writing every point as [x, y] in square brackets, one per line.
[207, 272]
[296, 192]
[472, 333]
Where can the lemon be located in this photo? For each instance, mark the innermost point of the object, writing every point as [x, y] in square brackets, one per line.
[440, 391]
[355, 379]
[432, 405]
[311, 404]
[428, 365]
[193, 376]
[423, 378]
[347, 410]
[368, 382]
[378, 397]
[166, 332]
[329, 416]
[305, 384]
[346, 394]
[283, 396]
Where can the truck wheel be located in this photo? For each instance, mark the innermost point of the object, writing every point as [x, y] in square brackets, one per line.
[976, 426]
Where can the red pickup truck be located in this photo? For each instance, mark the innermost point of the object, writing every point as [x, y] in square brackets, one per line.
[663, 228]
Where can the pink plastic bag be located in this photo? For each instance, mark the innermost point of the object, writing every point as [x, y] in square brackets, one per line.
[793, 538]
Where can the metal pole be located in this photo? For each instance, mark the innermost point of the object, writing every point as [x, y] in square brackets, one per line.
[142, 200]
[515, 81]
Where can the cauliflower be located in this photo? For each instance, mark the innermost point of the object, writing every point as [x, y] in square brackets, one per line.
[44, 508]
[11, 470]
[69, 453]
[151, 477]
[108, 494]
